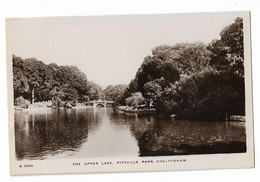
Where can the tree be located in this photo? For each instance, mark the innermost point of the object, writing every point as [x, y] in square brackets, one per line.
[153, 68]
[161, 95]
[188, 58]
[131, 88]
[135, 100]
[94, 91]
[153, 90]
[158, 77]
[173, 63]
[114, 93]
[193, 80]
[21, 102]
[34, 71]
[228, 52]
[37, 81]
[20, 81]
[210, 95]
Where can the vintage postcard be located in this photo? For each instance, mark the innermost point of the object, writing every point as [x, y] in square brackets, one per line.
[130, 93]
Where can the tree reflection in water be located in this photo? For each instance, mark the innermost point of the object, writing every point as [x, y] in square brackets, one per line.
[160, 136]
[41, 133]
[97, 132]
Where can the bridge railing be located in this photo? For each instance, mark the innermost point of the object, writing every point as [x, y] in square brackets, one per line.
[101, 101]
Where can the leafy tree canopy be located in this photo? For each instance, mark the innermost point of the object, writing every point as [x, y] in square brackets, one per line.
[35, 80]
[114, 93]
[228, 52]
[194, 80]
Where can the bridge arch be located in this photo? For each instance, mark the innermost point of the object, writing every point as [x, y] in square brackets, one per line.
[99, 105]
[102, 103]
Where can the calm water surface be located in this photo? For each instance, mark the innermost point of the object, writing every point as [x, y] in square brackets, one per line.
[105, 132]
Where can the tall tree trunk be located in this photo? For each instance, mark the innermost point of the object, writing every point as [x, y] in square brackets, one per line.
[33, 96]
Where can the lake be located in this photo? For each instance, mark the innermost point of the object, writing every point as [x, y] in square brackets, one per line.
[106, 132]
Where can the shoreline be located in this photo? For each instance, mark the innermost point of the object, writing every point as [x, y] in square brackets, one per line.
[39, 108]
[139, 112]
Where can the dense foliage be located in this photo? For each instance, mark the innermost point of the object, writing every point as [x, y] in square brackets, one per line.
[114, 93]
[135, 99]
[228, 52]
[193, 80]
[21, 102]
[211, 95]
[95, 91]
[37, 81]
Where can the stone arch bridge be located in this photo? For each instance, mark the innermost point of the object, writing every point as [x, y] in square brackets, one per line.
[101, 103]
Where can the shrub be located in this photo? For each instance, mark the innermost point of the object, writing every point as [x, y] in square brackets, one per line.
[21, 102]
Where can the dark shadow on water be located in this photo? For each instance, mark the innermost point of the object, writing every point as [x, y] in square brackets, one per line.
[183, 149]
[159, 136]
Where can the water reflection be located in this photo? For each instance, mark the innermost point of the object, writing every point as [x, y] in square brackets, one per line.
[40, 133]
[111, 139]
[105, 132]
[170, 137]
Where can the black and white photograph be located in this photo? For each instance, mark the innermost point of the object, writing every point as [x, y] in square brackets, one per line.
[129, 92]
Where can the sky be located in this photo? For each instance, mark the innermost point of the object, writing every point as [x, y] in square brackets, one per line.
[109, 49]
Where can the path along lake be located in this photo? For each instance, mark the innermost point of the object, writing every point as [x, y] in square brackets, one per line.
[107, 132]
